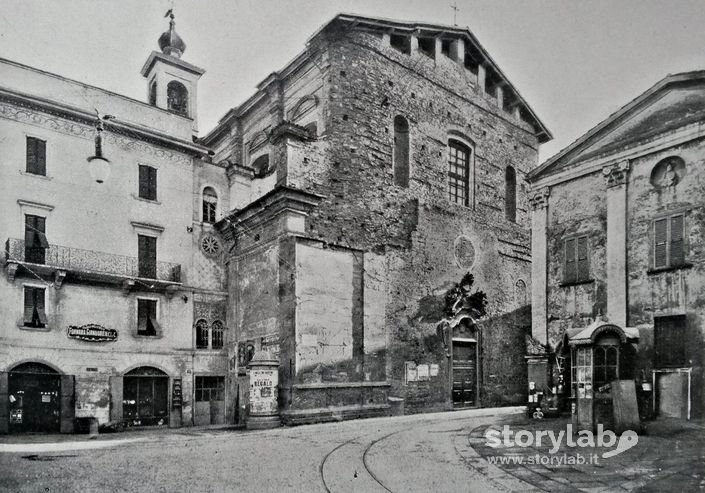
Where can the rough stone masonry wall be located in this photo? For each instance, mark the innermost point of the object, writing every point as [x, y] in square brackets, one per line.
[416, 227]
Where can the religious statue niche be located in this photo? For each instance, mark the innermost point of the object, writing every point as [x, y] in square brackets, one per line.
[668, 173]
[462, 306]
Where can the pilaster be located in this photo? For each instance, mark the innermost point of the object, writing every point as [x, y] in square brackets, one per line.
[539, 278]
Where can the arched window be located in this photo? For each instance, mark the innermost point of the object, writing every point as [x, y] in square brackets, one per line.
[201, 334]
[177, 98]
[401, 151]
[218, 335]
[261, 166]
[153, 93]
[520, 293]
[510, 194]
[459, 156]
[605, 360]
[210, 205]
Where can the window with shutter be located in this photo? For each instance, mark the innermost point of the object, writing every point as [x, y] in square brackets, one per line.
[660, 243]
[147, 182]
[34, 313]
[669, 242]
[147, 256]
[35, 239]
[210, 204]
[570, 274]
[147, 324]
[36, 156]
[670, 341]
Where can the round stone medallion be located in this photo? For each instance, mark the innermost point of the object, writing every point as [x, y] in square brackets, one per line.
[210, 245]
[464, 252]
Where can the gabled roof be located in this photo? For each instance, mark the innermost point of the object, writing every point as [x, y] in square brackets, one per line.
[390, 26]
[673, 102]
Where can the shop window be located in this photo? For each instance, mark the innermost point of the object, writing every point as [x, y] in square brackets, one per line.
[36, 156]
[670, 342]
[34, 314]
[147, 256]
[669, 242]
[202, 331]
[401, 151]
[147, 182]
[576, 265]
[606, 364]
[218, 334]
[210, 389]
[147, 324]
[177, 98]
[401, 43]
[210, 205]
[510, 194]
[35, 240]
[581, 370]
[459, 156]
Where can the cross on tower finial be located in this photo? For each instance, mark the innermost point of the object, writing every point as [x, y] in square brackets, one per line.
[455, 8]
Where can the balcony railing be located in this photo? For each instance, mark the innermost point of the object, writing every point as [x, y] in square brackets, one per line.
[79, 260]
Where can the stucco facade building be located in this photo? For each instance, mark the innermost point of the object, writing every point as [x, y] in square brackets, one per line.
[103, 282]
[618, 245]
[367, 177]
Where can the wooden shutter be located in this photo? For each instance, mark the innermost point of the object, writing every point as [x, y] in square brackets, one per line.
[570, 261]
[677, 240]
[670, 341]
[68, 406]
[41, 163]
[4, 403]
[147, 256]
[31, 155]
[583, 264]
[39, 304]
[115, 383]
[153, 183]
[142, 315]
[29, 231]
[660, 243]
[28, 305]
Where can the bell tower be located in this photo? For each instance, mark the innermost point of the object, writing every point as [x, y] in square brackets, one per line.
[171, 82]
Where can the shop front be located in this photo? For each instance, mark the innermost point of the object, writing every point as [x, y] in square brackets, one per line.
[35, 398]
[145, 397]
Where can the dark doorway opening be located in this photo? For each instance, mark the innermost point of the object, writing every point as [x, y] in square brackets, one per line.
[145, 397]
[34, 395]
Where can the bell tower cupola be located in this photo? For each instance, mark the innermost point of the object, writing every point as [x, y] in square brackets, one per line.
[172, 83]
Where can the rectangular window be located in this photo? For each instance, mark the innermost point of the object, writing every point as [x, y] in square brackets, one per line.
[34, 314]
[148, 182]
[35, 240]
[210, 389]
[670, 341]
[459, 173]
[36, 156]
[147, 324]
[401, 43]
[147, 256]
[669, 241]
[577, 262]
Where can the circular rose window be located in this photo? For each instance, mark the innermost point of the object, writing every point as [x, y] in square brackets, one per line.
[210, 245]
[464, 252]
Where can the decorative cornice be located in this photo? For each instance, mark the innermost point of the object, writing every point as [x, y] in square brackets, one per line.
[77, 127]
[616, 174]
[539, 199]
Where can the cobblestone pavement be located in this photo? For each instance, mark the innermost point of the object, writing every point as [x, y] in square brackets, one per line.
[444, 452]
[669, 456]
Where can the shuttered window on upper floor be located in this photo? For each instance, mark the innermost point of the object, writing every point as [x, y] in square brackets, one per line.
[147, 182]
[36, 156]
[577, 262]
[669, 241]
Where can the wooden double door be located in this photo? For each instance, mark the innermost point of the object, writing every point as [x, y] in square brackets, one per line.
[464, 373]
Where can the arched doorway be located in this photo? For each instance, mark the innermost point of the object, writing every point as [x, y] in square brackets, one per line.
[145, 397]
[34, 396]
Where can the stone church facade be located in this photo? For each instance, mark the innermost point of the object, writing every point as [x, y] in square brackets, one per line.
[367, 177]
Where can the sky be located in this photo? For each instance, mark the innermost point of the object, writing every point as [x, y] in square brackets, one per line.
[574, 61]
